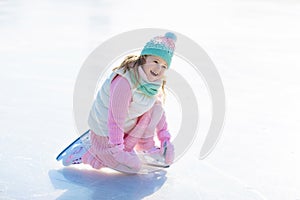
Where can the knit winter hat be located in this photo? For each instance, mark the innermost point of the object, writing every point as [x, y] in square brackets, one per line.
[161, 46]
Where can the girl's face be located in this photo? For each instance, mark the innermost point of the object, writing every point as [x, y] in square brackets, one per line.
[154, 68]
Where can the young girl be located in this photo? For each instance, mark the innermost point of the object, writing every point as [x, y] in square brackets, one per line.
[128, 111]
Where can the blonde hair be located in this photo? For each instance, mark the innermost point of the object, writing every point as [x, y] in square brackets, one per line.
[132, 62]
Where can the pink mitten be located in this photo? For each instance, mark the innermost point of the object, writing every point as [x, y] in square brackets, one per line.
[167, 150]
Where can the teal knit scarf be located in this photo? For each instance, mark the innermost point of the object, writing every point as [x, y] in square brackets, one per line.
[145, 86]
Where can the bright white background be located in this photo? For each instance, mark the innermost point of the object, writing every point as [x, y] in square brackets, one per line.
[255, 47]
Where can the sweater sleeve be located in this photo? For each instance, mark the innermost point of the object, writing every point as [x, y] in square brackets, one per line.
[120, 97]
[162, 129]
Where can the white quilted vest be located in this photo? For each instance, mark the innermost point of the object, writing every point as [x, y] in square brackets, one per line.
[140, 103]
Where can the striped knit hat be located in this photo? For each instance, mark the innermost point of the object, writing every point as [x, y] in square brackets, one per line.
[161, 46]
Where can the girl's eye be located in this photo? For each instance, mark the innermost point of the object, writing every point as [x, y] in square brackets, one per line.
[157, 62]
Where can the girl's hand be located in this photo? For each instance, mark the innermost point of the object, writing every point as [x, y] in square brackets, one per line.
[167, 150]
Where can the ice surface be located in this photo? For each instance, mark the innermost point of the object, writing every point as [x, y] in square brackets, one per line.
[255, 47]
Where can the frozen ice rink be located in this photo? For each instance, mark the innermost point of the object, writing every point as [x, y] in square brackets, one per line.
[255, 47]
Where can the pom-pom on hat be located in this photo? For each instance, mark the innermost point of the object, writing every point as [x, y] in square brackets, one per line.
[161, 46]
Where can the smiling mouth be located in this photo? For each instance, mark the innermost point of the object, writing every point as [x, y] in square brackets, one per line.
[153, 73]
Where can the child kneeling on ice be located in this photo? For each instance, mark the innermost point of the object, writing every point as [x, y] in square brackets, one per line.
[128, 110]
